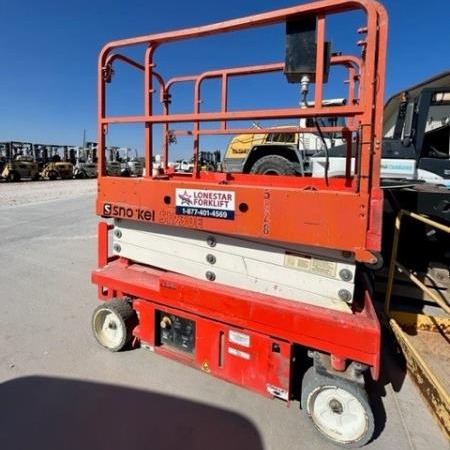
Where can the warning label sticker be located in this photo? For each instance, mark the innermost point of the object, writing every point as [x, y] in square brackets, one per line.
[239, 338]
[239, 353]
[308, 264]
[204, 203]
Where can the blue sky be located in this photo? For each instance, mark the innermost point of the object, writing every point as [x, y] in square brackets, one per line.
[50, 50]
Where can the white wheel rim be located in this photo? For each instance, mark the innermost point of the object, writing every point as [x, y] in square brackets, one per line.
[108, 328]
[338, 414]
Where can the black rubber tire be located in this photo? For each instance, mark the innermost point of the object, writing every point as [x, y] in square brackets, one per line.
[313, 383]
[14, 177]
[52, 175]
[125, 314]
[81, 175]
[273, 165]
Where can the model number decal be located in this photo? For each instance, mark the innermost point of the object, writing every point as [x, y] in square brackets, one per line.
[128, 212]
[205, 203]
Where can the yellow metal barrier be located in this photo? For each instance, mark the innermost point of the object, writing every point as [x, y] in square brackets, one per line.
[424, 339]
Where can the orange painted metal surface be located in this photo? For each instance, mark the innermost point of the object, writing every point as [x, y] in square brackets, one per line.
[346, 217]
[322, 218]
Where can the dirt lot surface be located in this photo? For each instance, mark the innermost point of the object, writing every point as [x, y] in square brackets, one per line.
[15, 194]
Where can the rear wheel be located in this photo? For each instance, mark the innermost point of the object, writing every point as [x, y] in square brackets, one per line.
[338, 409]
[53, 175]
[273, 165]
[113, 323]
[80, 175]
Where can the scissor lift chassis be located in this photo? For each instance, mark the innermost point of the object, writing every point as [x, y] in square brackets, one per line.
[243, 337]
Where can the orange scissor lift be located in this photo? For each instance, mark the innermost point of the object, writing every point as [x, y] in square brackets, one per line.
[256, 279]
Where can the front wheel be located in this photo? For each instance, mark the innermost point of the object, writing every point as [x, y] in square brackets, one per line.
[273, 165]
[113, 323]
[14, 177]
[338, 409]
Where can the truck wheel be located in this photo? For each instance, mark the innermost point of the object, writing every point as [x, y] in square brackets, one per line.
[113, 323]
[80, 175]
[273, 165]
[52, 175]
[338, 409]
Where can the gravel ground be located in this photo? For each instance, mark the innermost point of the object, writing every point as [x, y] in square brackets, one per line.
[15, 194]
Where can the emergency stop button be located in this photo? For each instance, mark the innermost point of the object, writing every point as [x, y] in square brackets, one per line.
[166, 322]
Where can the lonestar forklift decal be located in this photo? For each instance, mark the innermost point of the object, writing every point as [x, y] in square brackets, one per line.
[204, 203]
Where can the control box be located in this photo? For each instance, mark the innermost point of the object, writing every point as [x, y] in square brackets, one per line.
[176, 332]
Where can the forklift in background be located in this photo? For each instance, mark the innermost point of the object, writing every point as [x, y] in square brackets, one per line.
[17, 162]
[208, 161]
[84, 160]
[131, 165]
[211, 161]
[416, 144]
[53, 161]
[418, 120]
[261, 281]
[417, 128]
[113, 166]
